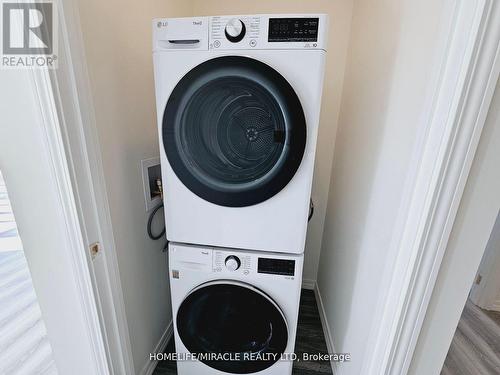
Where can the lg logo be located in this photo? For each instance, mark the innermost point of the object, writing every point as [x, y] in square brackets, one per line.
[28, 28]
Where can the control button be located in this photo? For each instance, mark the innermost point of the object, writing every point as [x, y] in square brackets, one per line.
[217, 44]
[235, 30]
[253, 43]
[246, 272]
[232, 263]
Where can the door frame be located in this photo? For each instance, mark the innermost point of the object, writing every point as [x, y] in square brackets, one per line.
[471, 234]
[42, 197]
[464, 87]
[65, 98]
[76, 247]
[60, 124]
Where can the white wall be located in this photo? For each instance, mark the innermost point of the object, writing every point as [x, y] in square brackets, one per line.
[393, 44]
[340, 23]
[471, 230]
[117, 37]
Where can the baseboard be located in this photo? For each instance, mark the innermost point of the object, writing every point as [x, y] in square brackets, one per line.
[495, 306]
[308, 284]
[326, 326]
[160, 347]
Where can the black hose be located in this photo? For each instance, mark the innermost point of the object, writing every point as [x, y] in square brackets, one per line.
[311, 210]
[149, 227]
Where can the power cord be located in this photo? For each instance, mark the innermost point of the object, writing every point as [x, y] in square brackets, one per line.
[156, 237]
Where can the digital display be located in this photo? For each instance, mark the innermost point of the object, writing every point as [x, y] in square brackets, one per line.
[293, 29]
[276, 266]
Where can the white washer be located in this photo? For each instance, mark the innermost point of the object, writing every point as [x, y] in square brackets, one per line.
[238, 101]
[240, 306]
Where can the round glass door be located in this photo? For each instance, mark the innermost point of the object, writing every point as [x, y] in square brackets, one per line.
[234, 131]
[233, 319]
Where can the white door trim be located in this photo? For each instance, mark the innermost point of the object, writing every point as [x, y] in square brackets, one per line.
[77, 249]
[72, 102]
[451, 133]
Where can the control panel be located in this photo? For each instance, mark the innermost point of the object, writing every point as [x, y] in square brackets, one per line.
[225, 261]
[229, 31]
[293, 30]
[268, 32]
[230, 262]
[202, 262]
[217, 33]
[271, 266]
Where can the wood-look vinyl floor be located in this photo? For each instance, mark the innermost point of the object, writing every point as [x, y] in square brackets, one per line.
[475, 349]
[310, 339]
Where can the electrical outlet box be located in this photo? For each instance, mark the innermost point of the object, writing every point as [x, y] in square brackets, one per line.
[151, 172]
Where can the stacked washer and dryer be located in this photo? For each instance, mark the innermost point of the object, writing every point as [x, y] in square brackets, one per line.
[238, 100]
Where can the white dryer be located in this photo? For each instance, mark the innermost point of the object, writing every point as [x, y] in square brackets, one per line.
[234, 312]
[238, 102]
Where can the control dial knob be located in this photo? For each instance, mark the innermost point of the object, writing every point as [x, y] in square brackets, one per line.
[235, 30]
[232, 263]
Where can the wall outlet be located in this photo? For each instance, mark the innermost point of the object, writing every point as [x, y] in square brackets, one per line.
[151, 172]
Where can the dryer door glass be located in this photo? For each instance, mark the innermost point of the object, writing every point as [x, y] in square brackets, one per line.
[234, 131]
[233, 319]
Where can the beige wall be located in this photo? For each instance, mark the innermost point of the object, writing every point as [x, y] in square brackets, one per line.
[117, 36]
[340, 23]
[391, 51]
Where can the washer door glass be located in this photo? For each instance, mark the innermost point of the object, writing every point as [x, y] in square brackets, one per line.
[232, 319]
[234, 131]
